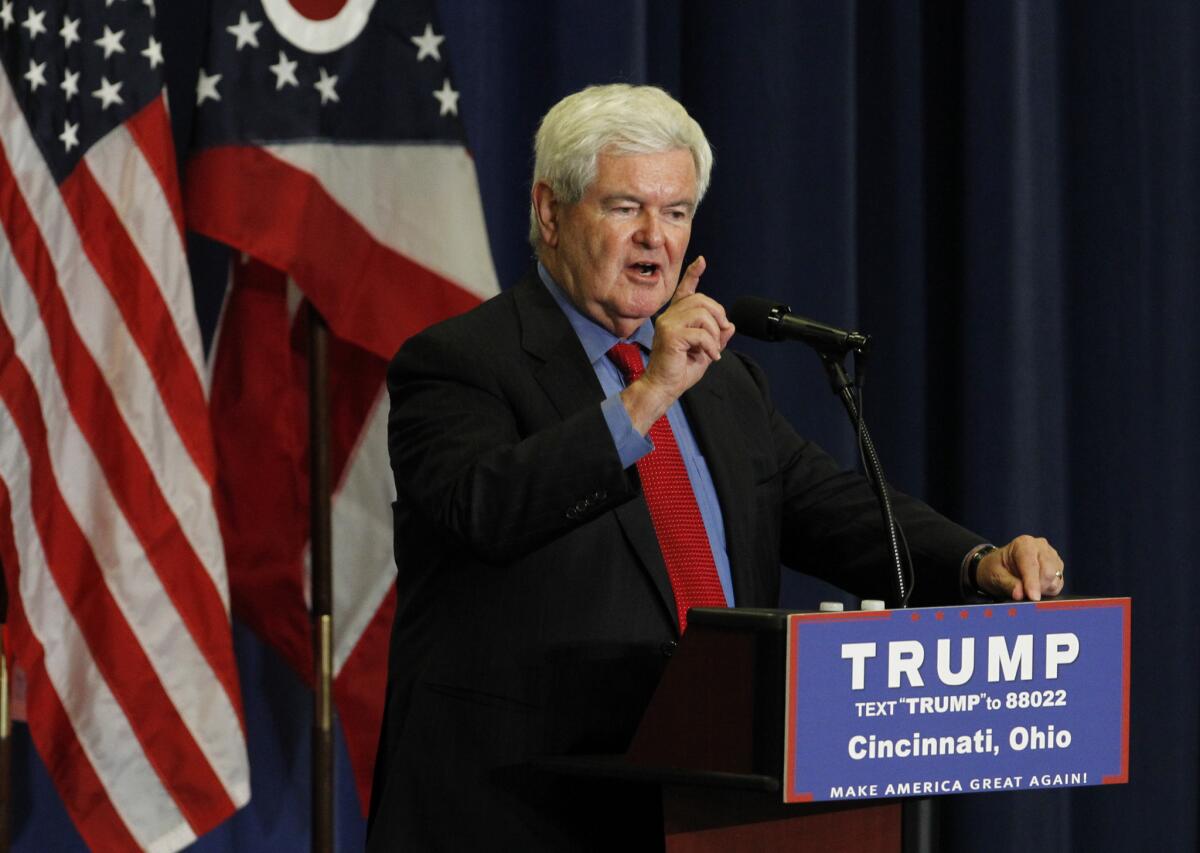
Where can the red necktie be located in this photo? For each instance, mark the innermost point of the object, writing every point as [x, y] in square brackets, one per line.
[673, 508]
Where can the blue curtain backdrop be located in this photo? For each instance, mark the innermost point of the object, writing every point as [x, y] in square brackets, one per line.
[1005, 195]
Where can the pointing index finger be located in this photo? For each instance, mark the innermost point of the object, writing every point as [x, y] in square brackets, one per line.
[690, 279]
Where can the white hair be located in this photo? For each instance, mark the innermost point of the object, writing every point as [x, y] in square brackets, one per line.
[617, 118]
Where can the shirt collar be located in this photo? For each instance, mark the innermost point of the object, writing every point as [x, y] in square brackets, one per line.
[596, 339]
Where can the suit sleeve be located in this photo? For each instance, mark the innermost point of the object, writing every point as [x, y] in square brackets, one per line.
[469, 457]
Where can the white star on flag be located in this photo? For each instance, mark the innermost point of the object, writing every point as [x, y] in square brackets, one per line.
[245, 31]
[34, 24]
[69, 135]
[108, 93]
[6, 15]
[326, 86]
[153, 52]
[36, 75]
[206, 87]
[284, 71]
[427, 44]
[111, 42]
[70, 30]
[448, 98]
[70, 83]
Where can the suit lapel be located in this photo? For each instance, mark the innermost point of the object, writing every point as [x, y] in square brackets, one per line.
[561, 367]
[569, 381]
[719, 435]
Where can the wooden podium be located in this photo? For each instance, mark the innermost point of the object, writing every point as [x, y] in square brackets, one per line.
[712, 738]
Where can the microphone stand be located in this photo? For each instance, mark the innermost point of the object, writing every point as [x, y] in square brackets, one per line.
[919, 816]
[841, 385]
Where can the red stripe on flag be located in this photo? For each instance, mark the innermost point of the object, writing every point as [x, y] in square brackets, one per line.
[358, 378]
[258, 389]
[369, 294]
[128, 475]
[358, 693]
[138, 298]
[151, 130]
[115, 649]
[83, 795]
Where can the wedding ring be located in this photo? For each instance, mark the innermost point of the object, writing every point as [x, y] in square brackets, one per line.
[1058, 574]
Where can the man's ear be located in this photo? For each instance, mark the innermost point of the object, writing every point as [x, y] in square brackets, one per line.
[547, 208]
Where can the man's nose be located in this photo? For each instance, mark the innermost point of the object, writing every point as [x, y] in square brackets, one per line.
[649, 232]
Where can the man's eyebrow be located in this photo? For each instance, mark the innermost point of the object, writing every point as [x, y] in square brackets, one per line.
[683, 202]
[609, 199]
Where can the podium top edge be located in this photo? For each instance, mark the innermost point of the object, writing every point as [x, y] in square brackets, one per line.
[740, 618]
[773, 619]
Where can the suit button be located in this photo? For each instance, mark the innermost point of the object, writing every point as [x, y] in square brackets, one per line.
[668, 648]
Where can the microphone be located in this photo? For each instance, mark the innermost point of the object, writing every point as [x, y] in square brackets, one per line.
[767, 320]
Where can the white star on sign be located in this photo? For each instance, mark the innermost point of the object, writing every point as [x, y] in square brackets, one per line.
[153, 52]
[206, 87]
[245, 31]
[326, 86]
[111, 42]
[448, 98]
[70, 135]
[34, 24]
[284, 71]
[6, 15]
[427, 44]
[36, 75]
[108, 93]
[70, 30]
[70, 83]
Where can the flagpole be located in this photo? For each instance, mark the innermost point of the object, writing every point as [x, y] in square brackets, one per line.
[322, 582]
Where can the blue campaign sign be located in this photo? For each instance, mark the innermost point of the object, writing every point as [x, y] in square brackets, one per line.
[951, 700]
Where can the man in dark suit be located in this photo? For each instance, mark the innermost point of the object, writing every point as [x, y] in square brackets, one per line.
[560, 508]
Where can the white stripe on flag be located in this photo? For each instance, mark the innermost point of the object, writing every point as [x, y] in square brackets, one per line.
[132, 188]
[99, 722]
[420, 200]
[362, 542]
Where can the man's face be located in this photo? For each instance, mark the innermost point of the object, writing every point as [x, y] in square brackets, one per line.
[618, 251]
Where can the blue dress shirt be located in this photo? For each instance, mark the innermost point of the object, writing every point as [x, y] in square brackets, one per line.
[632, 445]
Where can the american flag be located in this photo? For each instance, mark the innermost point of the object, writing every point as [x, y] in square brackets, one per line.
[119, 606]
[329, 147]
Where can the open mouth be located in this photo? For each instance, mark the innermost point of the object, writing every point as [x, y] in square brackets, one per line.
[645, 270]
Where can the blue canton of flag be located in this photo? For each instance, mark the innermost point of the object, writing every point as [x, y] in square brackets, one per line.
[78, 70]
[272, 75]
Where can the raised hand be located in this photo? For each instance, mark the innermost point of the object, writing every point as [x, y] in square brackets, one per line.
[688, 337]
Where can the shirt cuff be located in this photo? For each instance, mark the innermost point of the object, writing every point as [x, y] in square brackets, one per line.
[631, 445]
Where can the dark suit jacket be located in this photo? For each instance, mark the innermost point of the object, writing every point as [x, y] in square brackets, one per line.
[534, 611]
